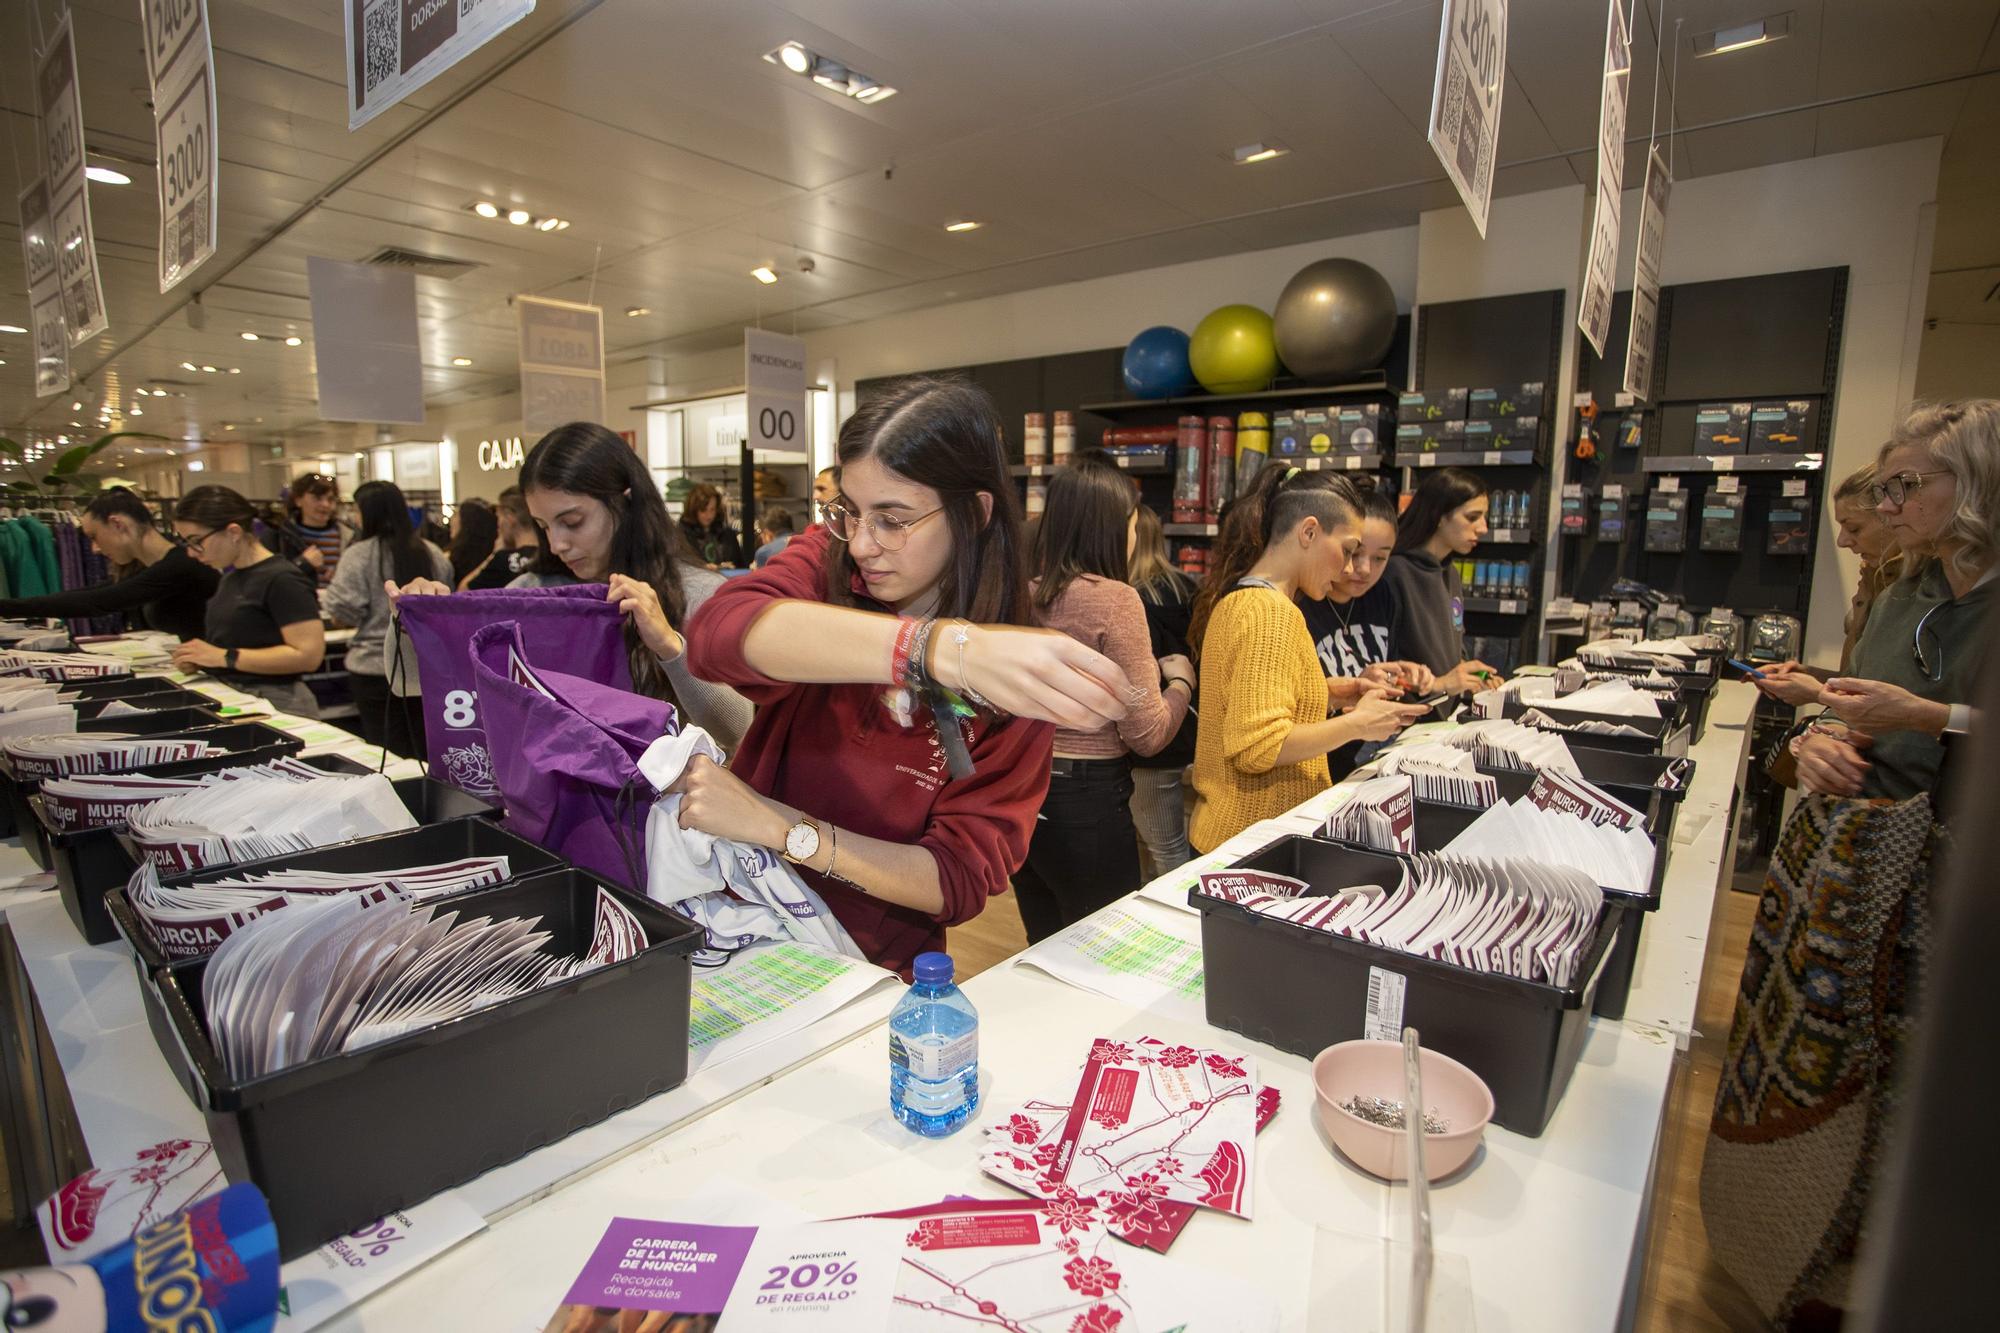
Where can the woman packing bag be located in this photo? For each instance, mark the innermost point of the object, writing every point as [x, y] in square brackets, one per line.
[381, 675]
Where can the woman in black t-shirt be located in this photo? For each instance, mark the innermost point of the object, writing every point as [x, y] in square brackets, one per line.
[166, 585]
[516, 549]
[263, 626]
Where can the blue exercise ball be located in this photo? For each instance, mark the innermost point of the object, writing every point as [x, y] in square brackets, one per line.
[1156, 363]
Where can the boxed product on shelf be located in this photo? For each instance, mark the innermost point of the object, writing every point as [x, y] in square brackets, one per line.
[1507, 400]
[1364, 429]
[1722, 520]
[1790, 531]
[1783, 427]
[1502, 433]
[1314, 428]
[1666, 520]
[1432, 405]
[1148, 456]
[1287, 438]
[1721, 428]
[1302, 989]
[1429, 436]
[340, 1140]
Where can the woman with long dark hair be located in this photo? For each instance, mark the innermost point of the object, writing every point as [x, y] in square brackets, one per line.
[599, 519]
[902, 742]
[381, 671]
[475, 531]
[1085, 851]
[1445, 520]
[1265, 734]
[263, 633]
[705, 527]
[1159, 789]
[516, 549]
[162, 582]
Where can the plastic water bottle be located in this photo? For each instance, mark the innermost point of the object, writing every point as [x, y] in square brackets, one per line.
[934, 1052]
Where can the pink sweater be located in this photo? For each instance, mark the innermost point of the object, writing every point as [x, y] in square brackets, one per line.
[1109, 617]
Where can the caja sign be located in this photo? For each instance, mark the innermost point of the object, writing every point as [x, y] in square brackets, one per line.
[501, 454]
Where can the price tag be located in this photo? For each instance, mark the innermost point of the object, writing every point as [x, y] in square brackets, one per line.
[1670, 484]
[1613, 490]
[1572, 492]
[1621, 400]
[1122, 460]
[1491, 458]
[1727, 485]
[1427, 460]
[1352, 463]
[1724, 463]
[1795, 486]
[1510, 606]
[1579, 401]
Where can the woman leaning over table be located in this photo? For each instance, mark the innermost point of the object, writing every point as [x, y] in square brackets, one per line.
[859, 642]
[263, 626]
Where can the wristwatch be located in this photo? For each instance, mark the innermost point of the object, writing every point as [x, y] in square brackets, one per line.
[802, 841]
[229, 659]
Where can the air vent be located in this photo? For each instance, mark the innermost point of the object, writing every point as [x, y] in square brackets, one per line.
[423, 265]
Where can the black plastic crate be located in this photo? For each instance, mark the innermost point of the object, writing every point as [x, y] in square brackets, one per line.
[91, 862]
[338, 1142]
[162, 696]
[1303, 990]
[1666, 734]
[1697, 692]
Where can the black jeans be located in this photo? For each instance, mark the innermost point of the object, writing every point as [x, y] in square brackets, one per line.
[391, 721]
[1085, 852]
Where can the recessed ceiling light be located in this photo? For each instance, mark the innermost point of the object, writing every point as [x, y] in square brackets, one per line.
[486, 209]
[633, 311]
[76, 407]
[1743, 36]
[794, 57]
[875, 92]
[520, 217]
[236, 370]
[829, 74]
[208, 369]
[229, 425]
[963, 224]
[548, 224]
[11, 328]
[136, 411]
[106, 176]
[189, 365]
[765, 274]
[294, 340]
[461, 361]
[1257, 152]
[562, 224]
[248, 337]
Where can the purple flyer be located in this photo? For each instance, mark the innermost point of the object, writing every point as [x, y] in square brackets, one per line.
[662, 1267]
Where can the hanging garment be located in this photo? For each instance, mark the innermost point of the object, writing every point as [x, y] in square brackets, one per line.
[686, 868]
[39, 575]
[572, 630]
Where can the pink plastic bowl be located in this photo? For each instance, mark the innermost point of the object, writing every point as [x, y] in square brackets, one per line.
[1375, 1069]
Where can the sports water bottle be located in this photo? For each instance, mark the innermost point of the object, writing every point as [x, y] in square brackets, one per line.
[933, 1052]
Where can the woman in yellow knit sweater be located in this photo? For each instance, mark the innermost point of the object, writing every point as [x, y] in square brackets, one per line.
[1262, 740]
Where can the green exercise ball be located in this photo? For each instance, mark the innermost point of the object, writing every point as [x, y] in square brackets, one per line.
[1233, 350]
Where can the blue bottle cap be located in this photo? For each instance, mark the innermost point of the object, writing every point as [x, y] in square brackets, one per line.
[932, 969]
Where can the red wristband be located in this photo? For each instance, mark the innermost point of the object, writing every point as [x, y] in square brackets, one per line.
[899, 655]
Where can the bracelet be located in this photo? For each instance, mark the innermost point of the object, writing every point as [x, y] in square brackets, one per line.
[899, 651]
[832, 851]
[918, 668]
[961, 634]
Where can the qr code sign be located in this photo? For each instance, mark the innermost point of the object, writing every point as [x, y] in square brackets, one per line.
[381, 44]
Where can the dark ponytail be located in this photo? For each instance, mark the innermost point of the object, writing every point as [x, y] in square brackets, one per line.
[215, 508]
[1442, 492]
[399, 553]
[1277, 502]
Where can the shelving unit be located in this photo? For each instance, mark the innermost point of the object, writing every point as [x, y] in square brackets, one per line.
[1734, 463]
[1376, 384]
[1501, 606]
[1509, 537]
[1471, 458]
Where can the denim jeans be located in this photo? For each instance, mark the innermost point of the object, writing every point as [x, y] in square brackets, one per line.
[1084, 853]
[1159, 813]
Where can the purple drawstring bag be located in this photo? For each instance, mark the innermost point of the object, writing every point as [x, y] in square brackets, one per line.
[565, 756]
[571, 629]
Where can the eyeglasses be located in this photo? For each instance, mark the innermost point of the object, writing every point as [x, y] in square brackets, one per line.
[890, 533]
[194, 544]
[1923, 656]
[1897, 489]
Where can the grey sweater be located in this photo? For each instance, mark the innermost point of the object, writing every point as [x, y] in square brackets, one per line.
[355, 596]
[716, 709]
[1430, 611]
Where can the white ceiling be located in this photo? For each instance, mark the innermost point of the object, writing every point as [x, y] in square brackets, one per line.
[1090, 137]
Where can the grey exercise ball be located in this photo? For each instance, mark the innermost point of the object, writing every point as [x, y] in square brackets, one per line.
[1336, 317]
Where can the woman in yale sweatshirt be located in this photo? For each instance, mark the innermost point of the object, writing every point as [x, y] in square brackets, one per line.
[1445, 520]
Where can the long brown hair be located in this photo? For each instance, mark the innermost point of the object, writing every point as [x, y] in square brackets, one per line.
[945, 434]
[1149, 570]
[1083, 529]
[1277, 502]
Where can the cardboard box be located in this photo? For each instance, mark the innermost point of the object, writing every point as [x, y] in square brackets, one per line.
[1432, 405]
[1783, 426]
[1721, 428]
[1362, 430]
[1428, 436]
[1526, 399]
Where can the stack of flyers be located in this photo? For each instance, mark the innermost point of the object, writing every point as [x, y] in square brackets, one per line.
[96, 752]
[1024, 1146]
[1442, 773]
[1661, 653]
[192, 920]
[1617, 695]
[106, 800]
[249, 819]
[1513, 917]
[59, 666]
[1565, 821]
[24, 636]
[1505, 743]
[48, 720]
[1542, 721]
[337, 974]
[1238, 886]
[1381, 814]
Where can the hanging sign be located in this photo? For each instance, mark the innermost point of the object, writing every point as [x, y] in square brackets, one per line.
[395, 47]
[562, 363]
[45, 307]
[1639, 341]
[180, 63]
[1465, 98]
[1593, 315]
[69, 197]
[774, 390]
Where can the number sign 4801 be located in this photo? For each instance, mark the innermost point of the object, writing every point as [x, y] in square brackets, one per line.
[1478, 28]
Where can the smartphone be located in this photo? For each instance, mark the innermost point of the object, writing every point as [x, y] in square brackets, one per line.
[1429, 700]
[1749, 671]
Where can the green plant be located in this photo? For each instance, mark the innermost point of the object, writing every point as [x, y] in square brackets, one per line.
[66, 475]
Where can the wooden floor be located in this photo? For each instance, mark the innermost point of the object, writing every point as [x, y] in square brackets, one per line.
[1681, 1291]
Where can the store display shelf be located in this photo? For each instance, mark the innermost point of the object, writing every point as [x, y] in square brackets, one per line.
[1736, 463]
[1470, 458]
[1191, 529]
[1376, 386]
[1509, 536]
[1333, 462]
[1501, 606]
[1125, 462]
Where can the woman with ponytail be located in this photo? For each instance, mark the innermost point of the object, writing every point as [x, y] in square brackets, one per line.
[1264, 734]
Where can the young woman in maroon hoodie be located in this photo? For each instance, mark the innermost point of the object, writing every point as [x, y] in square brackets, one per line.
[916, 581]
